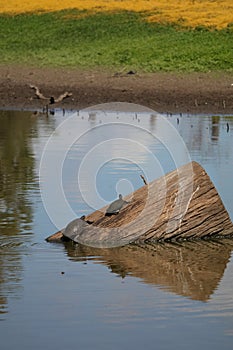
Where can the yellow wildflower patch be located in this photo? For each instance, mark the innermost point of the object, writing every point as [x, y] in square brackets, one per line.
[211, 13]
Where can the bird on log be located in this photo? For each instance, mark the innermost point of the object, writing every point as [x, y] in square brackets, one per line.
[181, 205]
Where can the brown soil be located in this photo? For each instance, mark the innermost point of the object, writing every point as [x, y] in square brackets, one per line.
[163, 92]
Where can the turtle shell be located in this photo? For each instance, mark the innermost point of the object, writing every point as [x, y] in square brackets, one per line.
[74, 228]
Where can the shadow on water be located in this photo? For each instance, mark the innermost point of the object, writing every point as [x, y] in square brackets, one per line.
[190, 269]
[17, 178]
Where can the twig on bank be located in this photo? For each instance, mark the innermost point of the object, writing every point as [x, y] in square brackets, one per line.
[51, 99]
[38, 93]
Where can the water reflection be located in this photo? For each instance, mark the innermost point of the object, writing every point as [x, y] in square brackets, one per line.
[193, 270]
[17, 178]
[190, 269]
[215, 127]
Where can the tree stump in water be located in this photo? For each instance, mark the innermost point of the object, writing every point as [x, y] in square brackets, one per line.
[181, 205]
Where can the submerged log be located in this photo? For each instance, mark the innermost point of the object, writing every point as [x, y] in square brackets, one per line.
[181, 205]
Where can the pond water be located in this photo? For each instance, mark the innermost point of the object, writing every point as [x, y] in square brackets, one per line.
[64, 296]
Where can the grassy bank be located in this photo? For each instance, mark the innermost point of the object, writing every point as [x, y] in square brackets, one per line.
[73, 38]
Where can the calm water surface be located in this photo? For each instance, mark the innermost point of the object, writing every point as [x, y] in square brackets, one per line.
[57, 296]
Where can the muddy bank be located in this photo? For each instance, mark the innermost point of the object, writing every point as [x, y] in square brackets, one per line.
[163, 92]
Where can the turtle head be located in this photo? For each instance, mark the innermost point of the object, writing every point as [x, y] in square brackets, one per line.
[120, 196]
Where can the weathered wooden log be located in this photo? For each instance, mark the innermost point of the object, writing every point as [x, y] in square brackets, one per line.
[181, 205]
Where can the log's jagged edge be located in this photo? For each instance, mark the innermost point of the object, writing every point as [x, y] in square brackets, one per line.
[206, 216]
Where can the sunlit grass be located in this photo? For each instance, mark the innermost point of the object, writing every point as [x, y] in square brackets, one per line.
[114, 41]
[193, 13]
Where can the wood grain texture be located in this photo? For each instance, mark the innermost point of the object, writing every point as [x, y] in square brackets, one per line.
[181, 205]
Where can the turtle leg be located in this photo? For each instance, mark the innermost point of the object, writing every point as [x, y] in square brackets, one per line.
[110, 214]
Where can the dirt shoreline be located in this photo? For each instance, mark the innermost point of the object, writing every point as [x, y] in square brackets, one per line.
[164, 92]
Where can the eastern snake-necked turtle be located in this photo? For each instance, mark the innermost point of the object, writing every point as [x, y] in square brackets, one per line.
[116, 206]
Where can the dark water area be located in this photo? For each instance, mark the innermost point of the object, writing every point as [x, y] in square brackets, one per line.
[58, 296]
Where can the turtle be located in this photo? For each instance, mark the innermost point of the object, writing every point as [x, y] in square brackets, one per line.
[116, 206]
[75, 227]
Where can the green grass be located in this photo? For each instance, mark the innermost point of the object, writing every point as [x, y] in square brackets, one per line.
[120, 40]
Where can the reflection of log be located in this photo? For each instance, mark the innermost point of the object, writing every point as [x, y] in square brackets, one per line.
[184, 204]
[191, 269]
